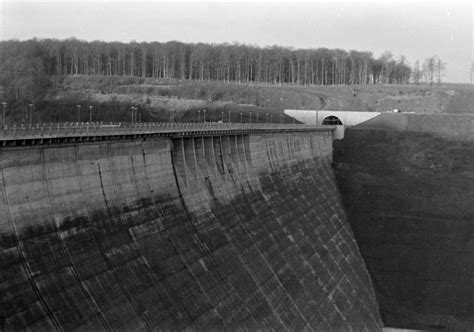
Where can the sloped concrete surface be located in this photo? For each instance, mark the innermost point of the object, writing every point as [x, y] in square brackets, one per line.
[218, 232]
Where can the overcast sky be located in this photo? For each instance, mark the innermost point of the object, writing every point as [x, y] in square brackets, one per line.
[416, 29]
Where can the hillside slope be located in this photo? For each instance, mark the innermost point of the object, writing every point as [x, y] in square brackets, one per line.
[180, 100]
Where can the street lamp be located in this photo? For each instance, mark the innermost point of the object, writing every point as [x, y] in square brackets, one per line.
[240, 117]
[266, 117]
[204, 116]
[134, 114]
[229, 116]
[79, 113]
[199, 115]
[90, 113]
[271, 118]
[222, 116]
[32, 106]
[250, 118]
[257, 117]
[131, 112]
[4, 112]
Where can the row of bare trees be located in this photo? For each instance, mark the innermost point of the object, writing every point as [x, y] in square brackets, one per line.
[225, 62]
[432, 70]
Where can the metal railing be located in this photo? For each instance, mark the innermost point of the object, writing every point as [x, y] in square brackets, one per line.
[78, 129]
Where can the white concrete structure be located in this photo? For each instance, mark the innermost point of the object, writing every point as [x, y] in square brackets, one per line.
[317, 117]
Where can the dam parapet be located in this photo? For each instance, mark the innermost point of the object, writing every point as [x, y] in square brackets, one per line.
[207, 229]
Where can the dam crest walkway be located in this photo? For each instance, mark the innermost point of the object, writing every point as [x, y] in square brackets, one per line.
[50, 133]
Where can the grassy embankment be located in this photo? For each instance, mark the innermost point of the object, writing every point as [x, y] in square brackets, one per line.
[181, 100]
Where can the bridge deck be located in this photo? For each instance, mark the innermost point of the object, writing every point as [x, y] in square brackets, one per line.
[77, 132]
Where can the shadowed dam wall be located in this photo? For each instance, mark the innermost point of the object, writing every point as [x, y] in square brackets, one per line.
[407, 186]
[229, 232]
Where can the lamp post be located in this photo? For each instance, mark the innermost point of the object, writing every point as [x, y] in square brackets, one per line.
[32, 106]
[257, 117]
[204, 116]
[229, 116]
[199, 115]
[171, 115]
[250, 118]
[240, 117]
[222, 116]
[266, 117]
[271, 118]
[79, 113]
[90, 113]
[4, 104]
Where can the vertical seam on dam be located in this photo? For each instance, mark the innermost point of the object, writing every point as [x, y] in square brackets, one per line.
[102, 186]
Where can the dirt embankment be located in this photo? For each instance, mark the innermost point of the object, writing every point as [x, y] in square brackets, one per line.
[406, 181]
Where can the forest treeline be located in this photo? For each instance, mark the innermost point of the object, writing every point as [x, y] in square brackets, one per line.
[28, 67]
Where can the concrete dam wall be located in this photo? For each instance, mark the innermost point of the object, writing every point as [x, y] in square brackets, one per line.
[407, 186]
[223, 232]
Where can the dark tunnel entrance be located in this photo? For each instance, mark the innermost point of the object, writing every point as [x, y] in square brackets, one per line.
[332, 120]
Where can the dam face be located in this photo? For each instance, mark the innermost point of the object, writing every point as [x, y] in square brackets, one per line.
[407, 186]
[199, 232]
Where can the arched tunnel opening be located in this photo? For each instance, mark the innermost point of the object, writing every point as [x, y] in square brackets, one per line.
[332, 121]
